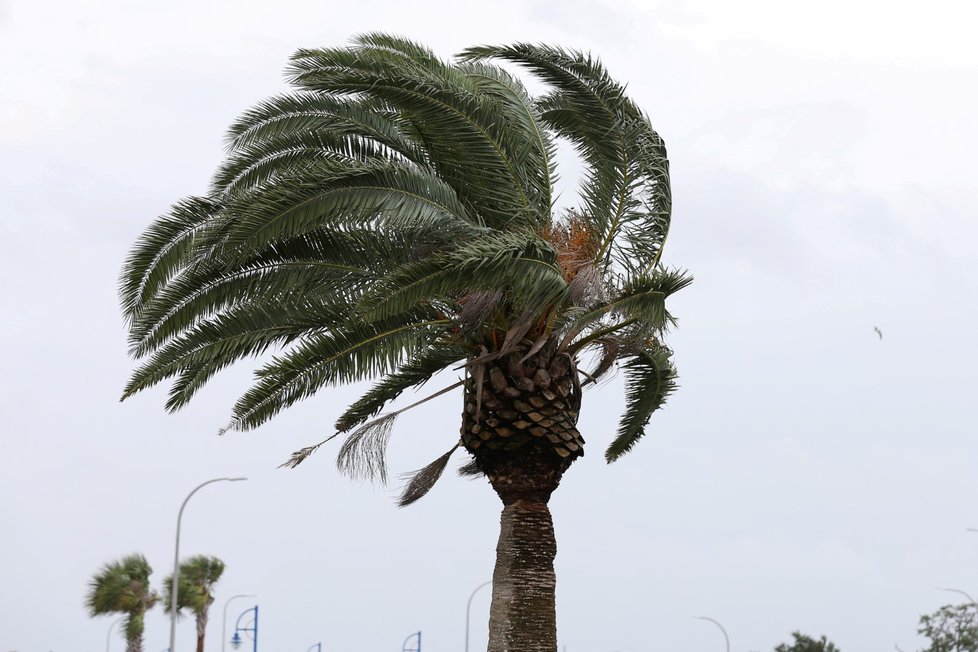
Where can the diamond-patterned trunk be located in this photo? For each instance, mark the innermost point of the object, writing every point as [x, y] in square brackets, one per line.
[520, 420]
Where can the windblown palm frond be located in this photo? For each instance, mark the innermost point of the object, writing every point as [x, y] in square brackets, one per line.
[198, 575]
[391, 218]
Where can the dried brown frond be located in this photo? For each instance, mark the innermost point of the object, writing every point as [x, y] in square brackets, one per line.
[364, 453]
[575, 242]
[299, 456]
[587, 287]
[469, 470]
[476, 306]
[422, 480]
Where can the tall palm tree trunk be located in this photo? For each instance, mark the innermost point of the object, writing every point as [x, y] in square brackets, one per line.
[523, 617]
[519, 425]
[201, 629]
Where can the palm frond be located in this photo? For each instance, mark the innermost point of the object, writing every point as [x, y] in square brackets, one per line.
[470, 470]
[363, 456]
[412, 374]
[464, 127]
[161, 251]
[121, 586]
[372, 191]
[242, 331]
[520, 262]
[640, 303]
[649, 380]
[300, 456]
[626, 190]
[354, 352]
[421, 481]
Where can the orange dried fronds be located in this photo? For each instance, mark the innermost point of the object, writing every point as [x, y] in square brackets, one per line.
[574, 241]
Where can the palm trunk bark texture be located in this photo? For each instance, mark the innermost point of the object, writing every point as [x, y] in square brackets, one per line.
[201, 629]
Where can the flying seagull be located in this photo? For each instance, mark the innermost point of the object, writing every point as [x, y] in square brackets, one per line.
[878, 331]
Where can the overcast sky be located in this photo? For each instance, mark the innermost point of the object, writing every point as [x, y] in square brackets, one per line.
[806, 476]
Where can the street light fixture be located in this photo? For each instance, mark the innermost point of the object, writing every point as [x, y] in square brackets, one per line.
[404, 646]
[252, 630]
[725, 637]
[468, 607]
[176, 559]
[224, 620]
[318, 646]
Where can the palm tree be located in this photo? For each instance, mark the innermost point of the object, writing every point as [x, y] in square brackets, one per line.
[123, 587]
[392, 218]
[198, 575]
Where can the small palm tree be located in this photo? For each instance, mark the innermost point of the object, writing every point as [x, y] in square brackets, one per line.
[123, 587]
[394, 218]
[198, 575]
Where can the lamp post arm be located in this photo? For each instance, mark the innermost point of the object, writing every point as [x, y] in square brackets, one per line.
[725, 637]
[108, 635]
[468, 607]
[175, 583]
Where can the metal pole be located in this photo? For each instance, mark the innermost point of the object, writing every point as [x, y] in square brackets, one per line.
[468, 607]
[108, 635]
[176, 560]
[253, 629]
[725, 637]
[318, 646]
[224, 621]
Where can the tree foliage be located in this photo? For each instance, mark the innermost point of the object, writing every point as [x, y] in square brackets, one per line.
[195, 593]
[122, 587]
[803, 643]
[951, 628]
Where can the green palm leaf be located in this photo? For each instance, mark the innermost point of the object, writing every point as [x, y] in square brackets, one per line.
[649, 380]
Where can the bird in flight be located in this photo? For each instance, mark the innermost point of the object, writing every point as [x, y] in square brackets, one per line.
[878, 331]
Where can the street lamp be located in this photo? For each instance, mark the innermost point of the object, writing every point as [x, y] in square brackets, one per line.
[318, 646]
[176, 560]
[252, 629]
[108, 635]
[468, 607]
[404, 646]
[725, 637]
[224, 620]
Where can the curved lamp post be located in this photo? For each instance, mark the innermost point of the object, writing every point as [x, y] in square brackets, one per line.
[108, 635]
[252, 630]
[224, 620]
[176, 559]
[318, 646]
[725, 637]
[404, 646]
[468, 608]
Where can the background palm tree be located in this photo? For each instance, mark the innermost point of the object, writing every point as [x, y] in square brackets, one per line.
[198, 575]
[393, 218]
[123, 587]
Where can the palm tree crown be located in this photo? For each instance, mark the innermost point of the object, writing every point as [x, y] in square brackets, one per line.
[122, 586]
[393, 217]
[197, 578]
